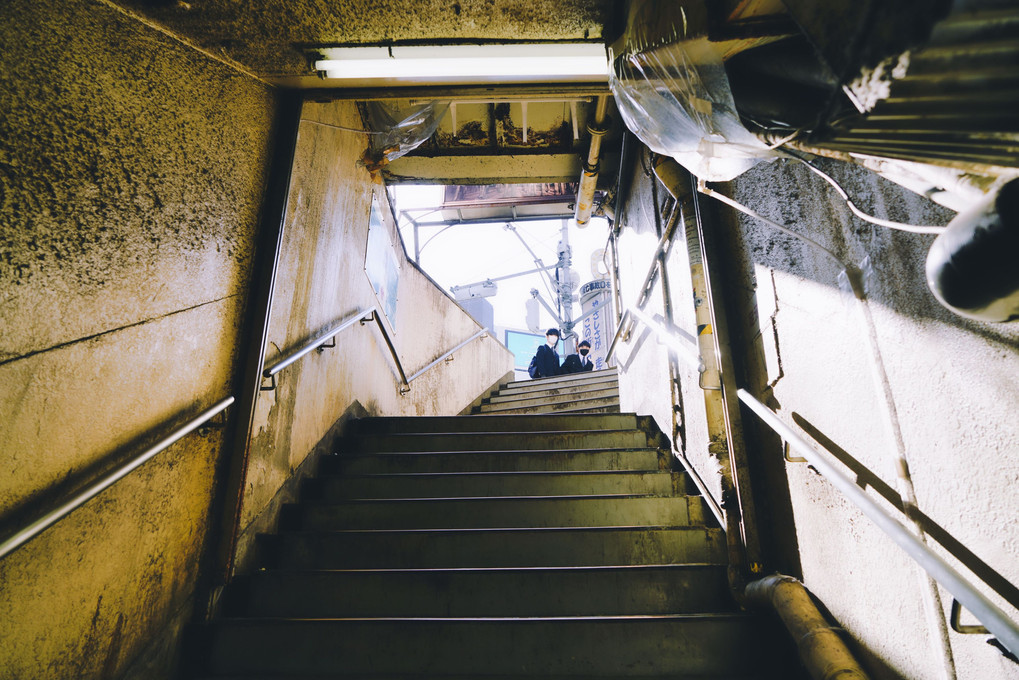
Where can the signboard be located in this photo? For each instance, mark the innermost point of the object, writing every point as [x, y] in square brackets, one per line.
[381, 264]
[596, 297]
[524, 346]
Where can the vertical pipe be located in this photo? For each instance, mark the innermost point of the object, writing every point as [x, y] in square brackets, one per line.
[617, 299]
[417, 243]
[589, 178]
[724, 422]
[933, 607]
[821, 648]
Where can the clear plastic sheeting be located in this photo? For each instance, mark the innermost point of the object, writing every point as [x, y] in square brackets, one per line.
[672, 92]
[399, 129]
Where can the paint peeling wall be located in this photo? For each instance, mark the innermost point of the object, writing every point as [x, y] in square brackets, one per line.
[322, 281]
[802, 347]
[129, 196]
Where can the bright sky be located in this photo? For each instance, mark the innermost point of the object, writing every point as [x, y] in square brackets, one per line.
[468, 253]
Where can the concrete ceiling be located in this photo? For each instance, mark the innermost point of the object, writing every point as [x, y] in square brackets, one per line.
[271, 37]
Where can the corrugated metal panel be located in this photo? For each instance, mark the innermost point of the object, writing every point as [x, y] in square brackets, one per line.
[956, 104]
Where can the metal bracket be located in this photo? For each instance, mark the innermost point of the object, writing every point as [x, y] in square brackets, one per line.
[323, 347]
[272, 384]
[790, 458]
[209, 425]
[959, 627]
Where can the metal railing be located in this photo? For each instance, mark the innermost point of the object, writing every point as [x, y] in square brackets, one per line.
[50, 518]
[992, 617]
[365, 316]
[482, 333]
[668, 334]
[318, 342]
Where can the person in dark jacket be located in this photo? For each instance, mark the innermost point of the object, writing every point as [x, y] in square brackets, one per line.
[545, 363]
[578, 363]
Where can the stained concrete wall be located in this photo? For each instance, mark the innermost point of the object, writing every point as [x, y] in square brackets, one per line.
[132, 170]
[802, 347]
[322, 281]
[129, 195]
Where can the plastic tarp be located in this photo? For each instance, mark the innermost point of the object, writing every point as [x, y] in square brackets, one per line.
[399, 130]
[672, 92]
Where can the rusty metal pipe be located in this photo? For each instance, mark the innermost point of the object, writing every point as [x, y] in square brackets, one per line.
[589, 178]
[819, 644]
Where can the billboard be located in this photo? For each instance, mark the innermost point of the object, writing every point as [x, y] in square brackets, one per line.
[524, 346]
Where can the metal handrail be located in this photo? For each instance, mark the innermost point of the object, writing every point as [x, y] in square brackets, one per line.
[992, 617]
[315, 343]
[364, 316]
[483, 332]
[405, 388]
[53, 516]
[40, 524]
[665, 334]
[623, 322]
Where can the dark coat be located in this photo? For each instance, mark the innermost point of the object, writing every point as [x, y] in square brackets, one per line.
[573, 364]
[546, 361]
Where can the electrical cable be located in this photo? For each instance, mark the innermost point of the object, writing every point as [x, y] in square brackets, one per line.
[911, 228]
[704, 189]
[344, 128]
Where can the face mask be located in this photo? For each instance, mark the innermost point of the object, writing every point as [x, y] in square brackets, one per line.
[584, 351]
[552, 340]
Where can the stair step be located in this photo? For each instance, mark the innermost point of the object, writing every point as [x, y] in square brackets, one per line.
[453, 593]
[762, 674]
[473, 548]
[493, 423]
[485, 513]
[579, 647]
[563, 386]
[552, 397]
[496, 441]
[592, 376]
[454, 485]
[496, 461]
[608, 405]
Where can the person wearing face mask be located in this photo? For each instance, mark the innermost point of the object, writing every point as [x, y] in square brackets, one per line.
[545, 363]
[578, 363]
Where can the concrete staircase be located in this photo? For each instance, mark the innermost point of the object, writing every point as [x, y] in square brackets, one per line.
[494, 546]
[593, 392]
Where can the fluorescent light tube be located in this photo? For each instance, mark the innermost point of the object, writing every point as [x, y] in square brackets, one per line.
[465, 61]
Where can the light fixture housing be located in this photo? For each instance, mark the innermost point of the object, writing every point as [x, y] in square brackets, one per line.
[465, 64]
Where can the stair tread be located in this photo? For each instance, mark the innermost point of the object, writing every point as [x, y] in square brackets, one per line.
[479, 423]
[398, 563]
[642, 459]
[582, 646]
[486, 676]
[502, 512]
[259, 620]
[677, 566]
[485, 441]
[490, 593]
[586, 449]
